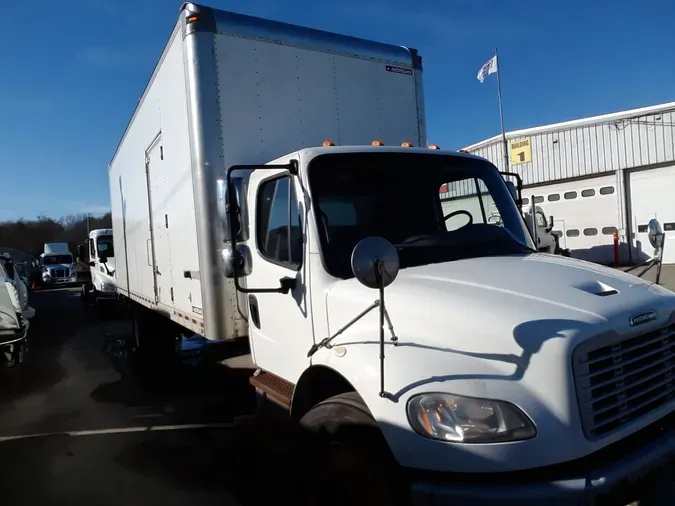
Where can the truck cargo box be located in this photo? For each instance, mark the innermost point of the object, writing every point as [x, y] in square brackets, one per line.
[231, 89]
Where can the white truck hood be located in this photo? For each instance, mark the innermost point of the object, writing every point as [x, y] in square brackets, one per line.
[493, 327]
[58, 266]
[494, 297]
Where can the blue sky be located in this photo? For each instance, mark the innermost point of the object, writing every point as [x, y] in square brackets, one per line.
[73, 72]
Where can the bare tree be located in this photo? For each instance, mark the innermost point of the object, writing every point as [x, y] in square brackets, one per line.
[30, 235]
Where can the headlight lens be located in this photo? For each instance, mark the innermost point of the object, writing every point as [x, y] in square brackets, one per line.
[449, 417]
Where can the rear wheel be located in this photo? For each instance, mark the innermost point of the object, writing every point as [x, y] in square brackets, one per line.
[350, 461]
[154, 337]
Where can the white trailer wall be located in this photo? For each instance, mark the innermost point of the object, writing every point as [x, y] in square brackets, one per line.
[316, 96]
[158, 130]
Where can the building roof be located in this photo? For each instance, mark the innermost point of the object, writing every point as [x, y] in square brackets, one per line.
[604, 118]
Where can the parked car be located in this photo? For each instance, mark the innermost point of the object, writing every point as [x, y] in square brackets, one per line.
[15, 313]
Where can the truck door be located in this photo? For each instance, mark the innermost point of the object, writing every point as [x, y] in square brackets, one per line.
[159, 223]
[545, 239]
[280, 325]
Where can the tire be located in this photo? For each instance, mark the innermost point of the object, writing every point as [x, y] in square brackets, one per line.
[84, 295]
[350, 461]
[152, 338]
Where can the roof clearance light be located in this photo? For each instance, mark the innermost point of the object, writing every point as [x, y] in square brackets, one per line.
[434, 146]
[463, 151]
[327, 144]
[377, 143]
[406, 144]
[193, 19]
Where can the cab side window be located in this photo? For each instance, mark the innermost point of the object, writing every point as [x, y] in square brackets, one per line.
[541, 220]
[278, 230]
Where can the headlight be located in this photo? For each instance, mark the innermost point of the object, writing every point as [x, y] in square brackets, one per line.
[449, 417]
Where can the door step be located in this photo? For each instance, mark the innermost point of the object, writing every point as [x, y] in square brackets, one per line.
[274, 388]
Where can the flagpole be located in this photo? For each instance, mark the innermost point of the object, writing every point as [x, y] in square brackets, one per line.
[501, 114]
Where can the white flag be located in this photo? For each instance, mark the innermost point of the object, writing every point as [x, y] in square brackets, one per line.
[490, 67]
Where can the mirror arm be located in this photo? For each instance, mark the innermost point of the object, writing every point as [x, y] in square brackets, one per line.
[326, 341]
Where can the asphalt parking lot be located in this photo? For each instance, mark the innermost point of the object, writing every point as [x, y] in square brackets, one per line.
[667, 278]
[75, 424]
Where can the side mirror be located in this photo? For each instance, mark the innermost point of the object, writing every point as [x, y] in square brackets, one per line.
[238, 261]
[91, 263]
[655, 233]
[82, 252]
[102, 258]
[512, 190]
[550, 224]
[375, 262]
[241, 215]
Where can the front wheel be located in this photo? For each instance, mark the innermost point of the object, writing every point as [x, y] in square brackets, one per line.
[84, 294]
[351, 463]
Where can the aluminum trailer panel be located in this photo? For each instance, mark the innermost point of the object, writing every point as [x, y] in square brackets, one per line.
[233, 89]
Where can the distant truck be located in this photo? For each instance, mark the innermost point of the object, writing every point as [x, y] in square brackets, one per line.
[57, 265]
[541, 229]
[265, 190]
[98, 254]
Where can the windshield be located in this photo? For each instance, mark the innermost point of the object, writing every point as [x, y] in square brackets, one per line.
[57, 259]
[433, 208]
[104, 245]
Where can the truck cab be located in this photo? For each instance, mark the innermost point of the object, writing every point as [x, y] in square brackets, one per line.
[480, 370]
[98, 253]
[541, 228]
[57, 265]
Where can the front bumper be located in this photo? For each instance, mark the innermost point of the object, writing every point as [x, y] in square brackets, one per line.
[11, 336]
[614, 476]
[51, 281]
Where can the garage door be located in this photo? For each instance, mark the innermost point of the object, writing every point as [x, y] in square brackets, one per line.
[585, 215]
[651, 193]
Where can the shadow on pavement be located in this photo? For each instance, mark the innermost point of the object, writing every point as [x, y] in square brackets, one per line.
[46, 338]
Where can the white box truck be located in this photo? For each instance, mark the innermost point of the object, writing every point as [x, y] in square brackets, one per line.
[57, 265]
[98, 253]
[250, 201]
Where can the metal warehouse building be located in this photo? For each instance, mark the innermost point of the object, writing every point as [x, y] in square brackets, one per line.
[599, 175]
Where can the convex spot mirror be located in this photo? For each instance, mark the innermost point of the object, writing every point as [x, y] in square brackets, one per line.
[365, 257]
[655, 233]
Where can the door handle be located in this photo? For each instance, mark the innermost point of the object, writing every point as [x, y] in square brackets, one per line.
[253, 310]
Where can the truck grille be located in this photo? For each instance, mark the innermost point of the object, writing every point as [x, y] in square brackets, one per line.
[59, 273]
[621, 380]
